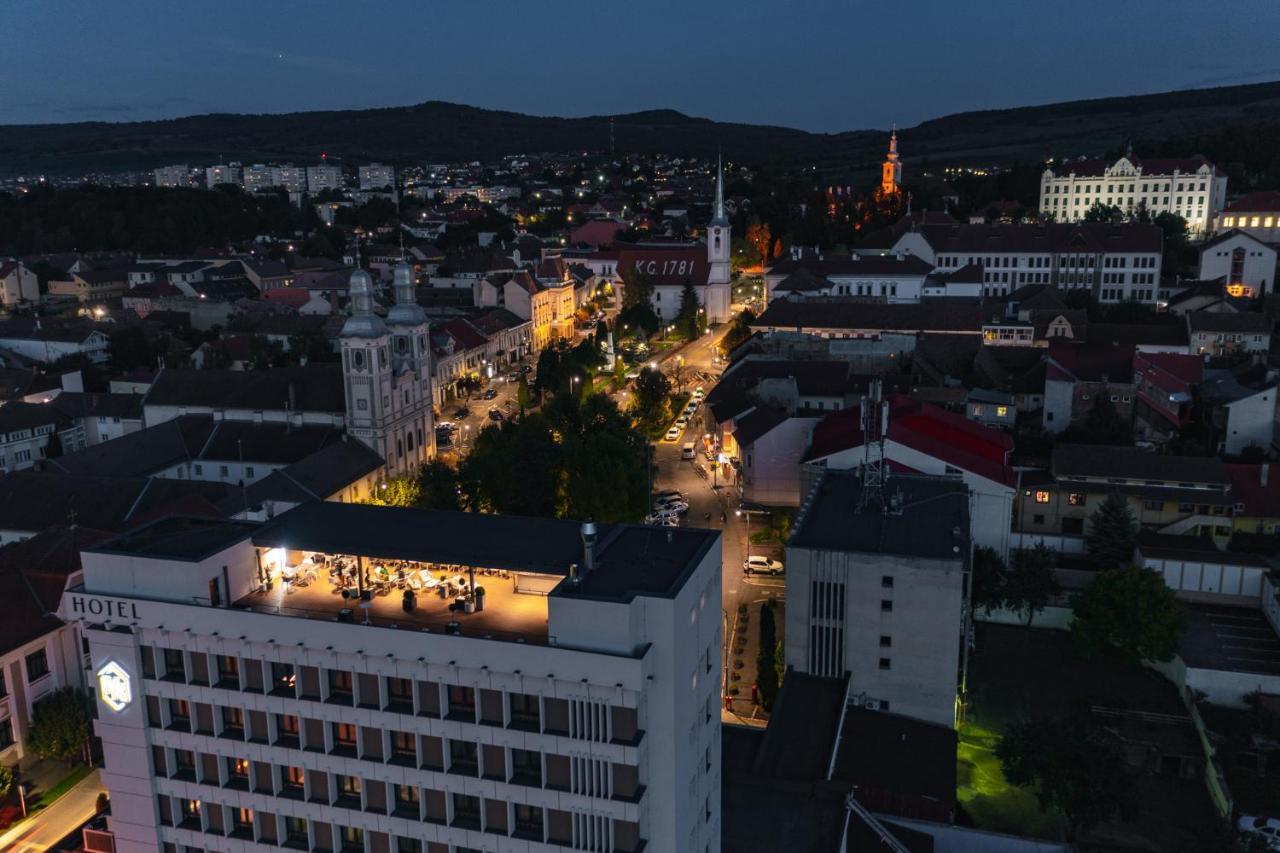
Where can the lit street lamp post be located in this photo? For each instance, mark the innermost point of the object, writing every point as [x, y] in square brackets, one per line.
[747, 513]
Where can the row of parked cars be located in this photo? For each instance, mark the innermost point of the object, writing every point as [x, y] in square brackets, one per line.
[668, 506]
[683, 420]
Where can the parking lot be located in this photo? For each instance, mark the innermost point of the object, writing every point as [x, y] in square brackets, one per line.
[1238, 639]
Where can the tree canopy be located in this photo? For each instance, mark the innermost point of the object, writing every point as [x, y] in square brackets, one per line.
[1074, 764]
[1112, 531]
[1128, 612]
[60, 725]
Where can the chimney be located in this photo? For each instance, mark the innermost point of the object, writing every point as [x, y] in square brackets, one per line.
[588, 546]
[1263, 471]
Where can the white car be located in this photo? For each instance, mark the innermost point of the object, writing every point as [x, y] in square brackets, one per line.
[682, 422]
[662, 520]
[761, 566]
[697, 393]
[673, 433]
[672, 506]
[1268, 828]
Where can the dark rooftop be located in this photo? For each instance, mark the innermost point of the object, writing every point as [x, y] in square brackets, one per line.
[179, 538]
[932, 520]
[1131, 463]
[314, 388]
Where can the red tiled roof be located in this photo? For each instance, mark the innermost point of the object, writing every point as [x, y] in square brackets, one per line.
[467, 336]
[1246, 487]
[951, 438]
[1259, 202]
[1095, 167]
[1160, 367]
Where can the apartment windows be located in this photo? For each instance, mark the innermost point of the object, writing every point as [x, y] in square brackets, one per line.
[466, 811]
[407, 798]
[1076, 499]
[886, 641]
[287, 728]
[174, 667]
[349, 790]
[228, 671]
[399, 693]
[237, 772]
[885, 663]
[463, 757]
[37, 665]
[524, 711]
[191, 813]
[283, 679]
[233, 721]
[886, 605]
[886, 582]
[292, 780]
[6, 733]
[184, 764]
[179, 712]
[1042, 497]
[528, 821]
[462, 702]
[295, 831]
[526, 767]
[344, 737]
[404, 746]
[242, 822]
[340, 688]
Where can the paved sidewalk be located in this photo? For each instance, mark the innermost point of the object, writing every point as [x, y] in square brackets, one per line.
[68, 812]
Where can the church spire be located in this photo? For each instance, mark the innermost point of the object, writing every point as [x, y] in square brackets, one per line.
[718, 216]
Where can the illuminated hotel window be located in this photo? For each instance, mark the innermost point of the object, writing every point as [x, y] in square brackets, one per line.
[1002, 411]
[1042, 497]
[1228, 221]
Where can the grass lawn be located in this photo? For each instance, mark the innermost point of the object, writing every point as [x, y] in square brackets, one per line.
[65, 784]
[988, 797]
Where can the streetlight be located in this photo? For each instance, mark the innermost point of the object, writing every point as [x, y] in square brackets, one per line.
[747, 513]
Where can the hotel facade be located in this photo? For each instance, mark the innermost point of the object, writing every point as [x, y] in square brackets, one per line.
[334, 680]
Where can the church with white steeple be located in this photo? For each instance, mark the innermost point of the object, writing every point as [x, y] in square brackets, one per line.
[386, 368]
[717, 296]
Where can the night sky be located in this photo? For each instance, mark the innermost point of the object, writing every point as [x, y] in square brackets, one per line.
[816, 64]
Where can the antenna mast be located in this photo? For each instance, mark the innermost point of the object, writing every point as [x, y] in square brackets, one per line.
[875, 429]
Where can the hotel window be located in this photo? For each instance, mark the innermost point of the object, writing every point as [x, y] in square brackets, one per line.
[238, 768]
[1076, 499]
[242, 820]
[885, 663]
[293, 777]
[1042, 497]
[344, 734]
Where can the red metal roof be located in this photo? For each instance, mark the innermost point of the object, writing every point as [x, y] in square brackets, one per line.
[935, 432]
[1260, 500]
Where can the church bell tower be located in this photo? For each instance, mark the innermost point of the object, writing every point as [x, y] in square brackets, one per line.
[717, 297]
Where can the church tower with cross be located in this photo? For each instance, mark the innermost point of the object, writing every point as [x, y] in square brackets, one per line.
[716, 297]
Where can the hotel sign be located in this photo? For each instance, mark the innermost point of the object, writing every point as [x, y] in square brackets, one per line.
[108, 608]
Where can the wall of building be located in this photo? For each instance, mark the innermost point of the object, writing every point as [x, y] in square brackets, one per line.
[21, 691]
[1250, 422]
[771, 466]
[924, 626]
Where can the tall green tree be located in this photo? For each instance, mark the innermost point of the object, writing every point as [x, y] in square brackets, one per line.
[1031, 581]
[1100, 212]
[60, 725]
[1130, 613]
[398, 491]
[652, 390]
[1073, 764]
[438, 486]
[688, 321]
[739, 331]
[986, 588]
[637, 288]
[1112, 531]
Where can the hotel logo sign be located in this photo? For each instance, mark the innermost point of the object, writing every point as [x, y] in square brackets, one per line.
[115, 687]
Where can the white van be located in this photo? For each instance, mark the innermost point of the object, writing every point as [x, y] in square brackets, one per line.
[686, 452]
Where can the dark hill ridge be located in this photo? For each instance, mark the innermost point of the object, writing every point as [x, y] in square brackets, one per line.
[436, 131]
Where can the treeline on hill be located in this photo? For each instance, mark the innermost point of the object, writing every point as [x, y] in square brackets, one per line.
[1246, 151]
[142, 219]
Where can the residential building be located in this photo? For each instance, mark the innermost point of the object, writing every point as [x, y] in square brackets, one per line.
[293, 179]
[92, 285]
[1190, 187]
[1242, 409]
[223, 174]
[1114, 262]
[376, 176]
[1168, 494]
[991, 408]
[899, 325]
[39, 652]
[925, 439]
[258, 177]
[324, 177]
[1215, 333]
[1165, 384]
[876, 588]
[18, 284]
[1257, 214]
[1257, 509]
[1248, 263]
[173, 176]
[881, 278]
[25, 432]
[49, 340]
[575, 706]
[549, 305]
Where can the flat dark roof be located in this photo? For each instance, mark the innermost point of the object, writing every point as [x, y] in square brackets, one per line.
[180, 538]
[630, 559]
[1232, 639]
[932, 520]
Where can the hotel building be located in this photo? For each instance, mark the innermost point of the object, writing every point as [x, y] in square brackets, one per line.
[276, 685]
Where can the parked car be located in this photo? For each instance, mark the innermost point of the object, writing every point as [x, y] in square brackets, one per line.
[462, 412]
[682, 422]
[662, 519]
[673, 433]
[1266, 828]
[490, 394]
[673, 505]
[757, 565]
[495, 415]
[668, 493]
[687, 452]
